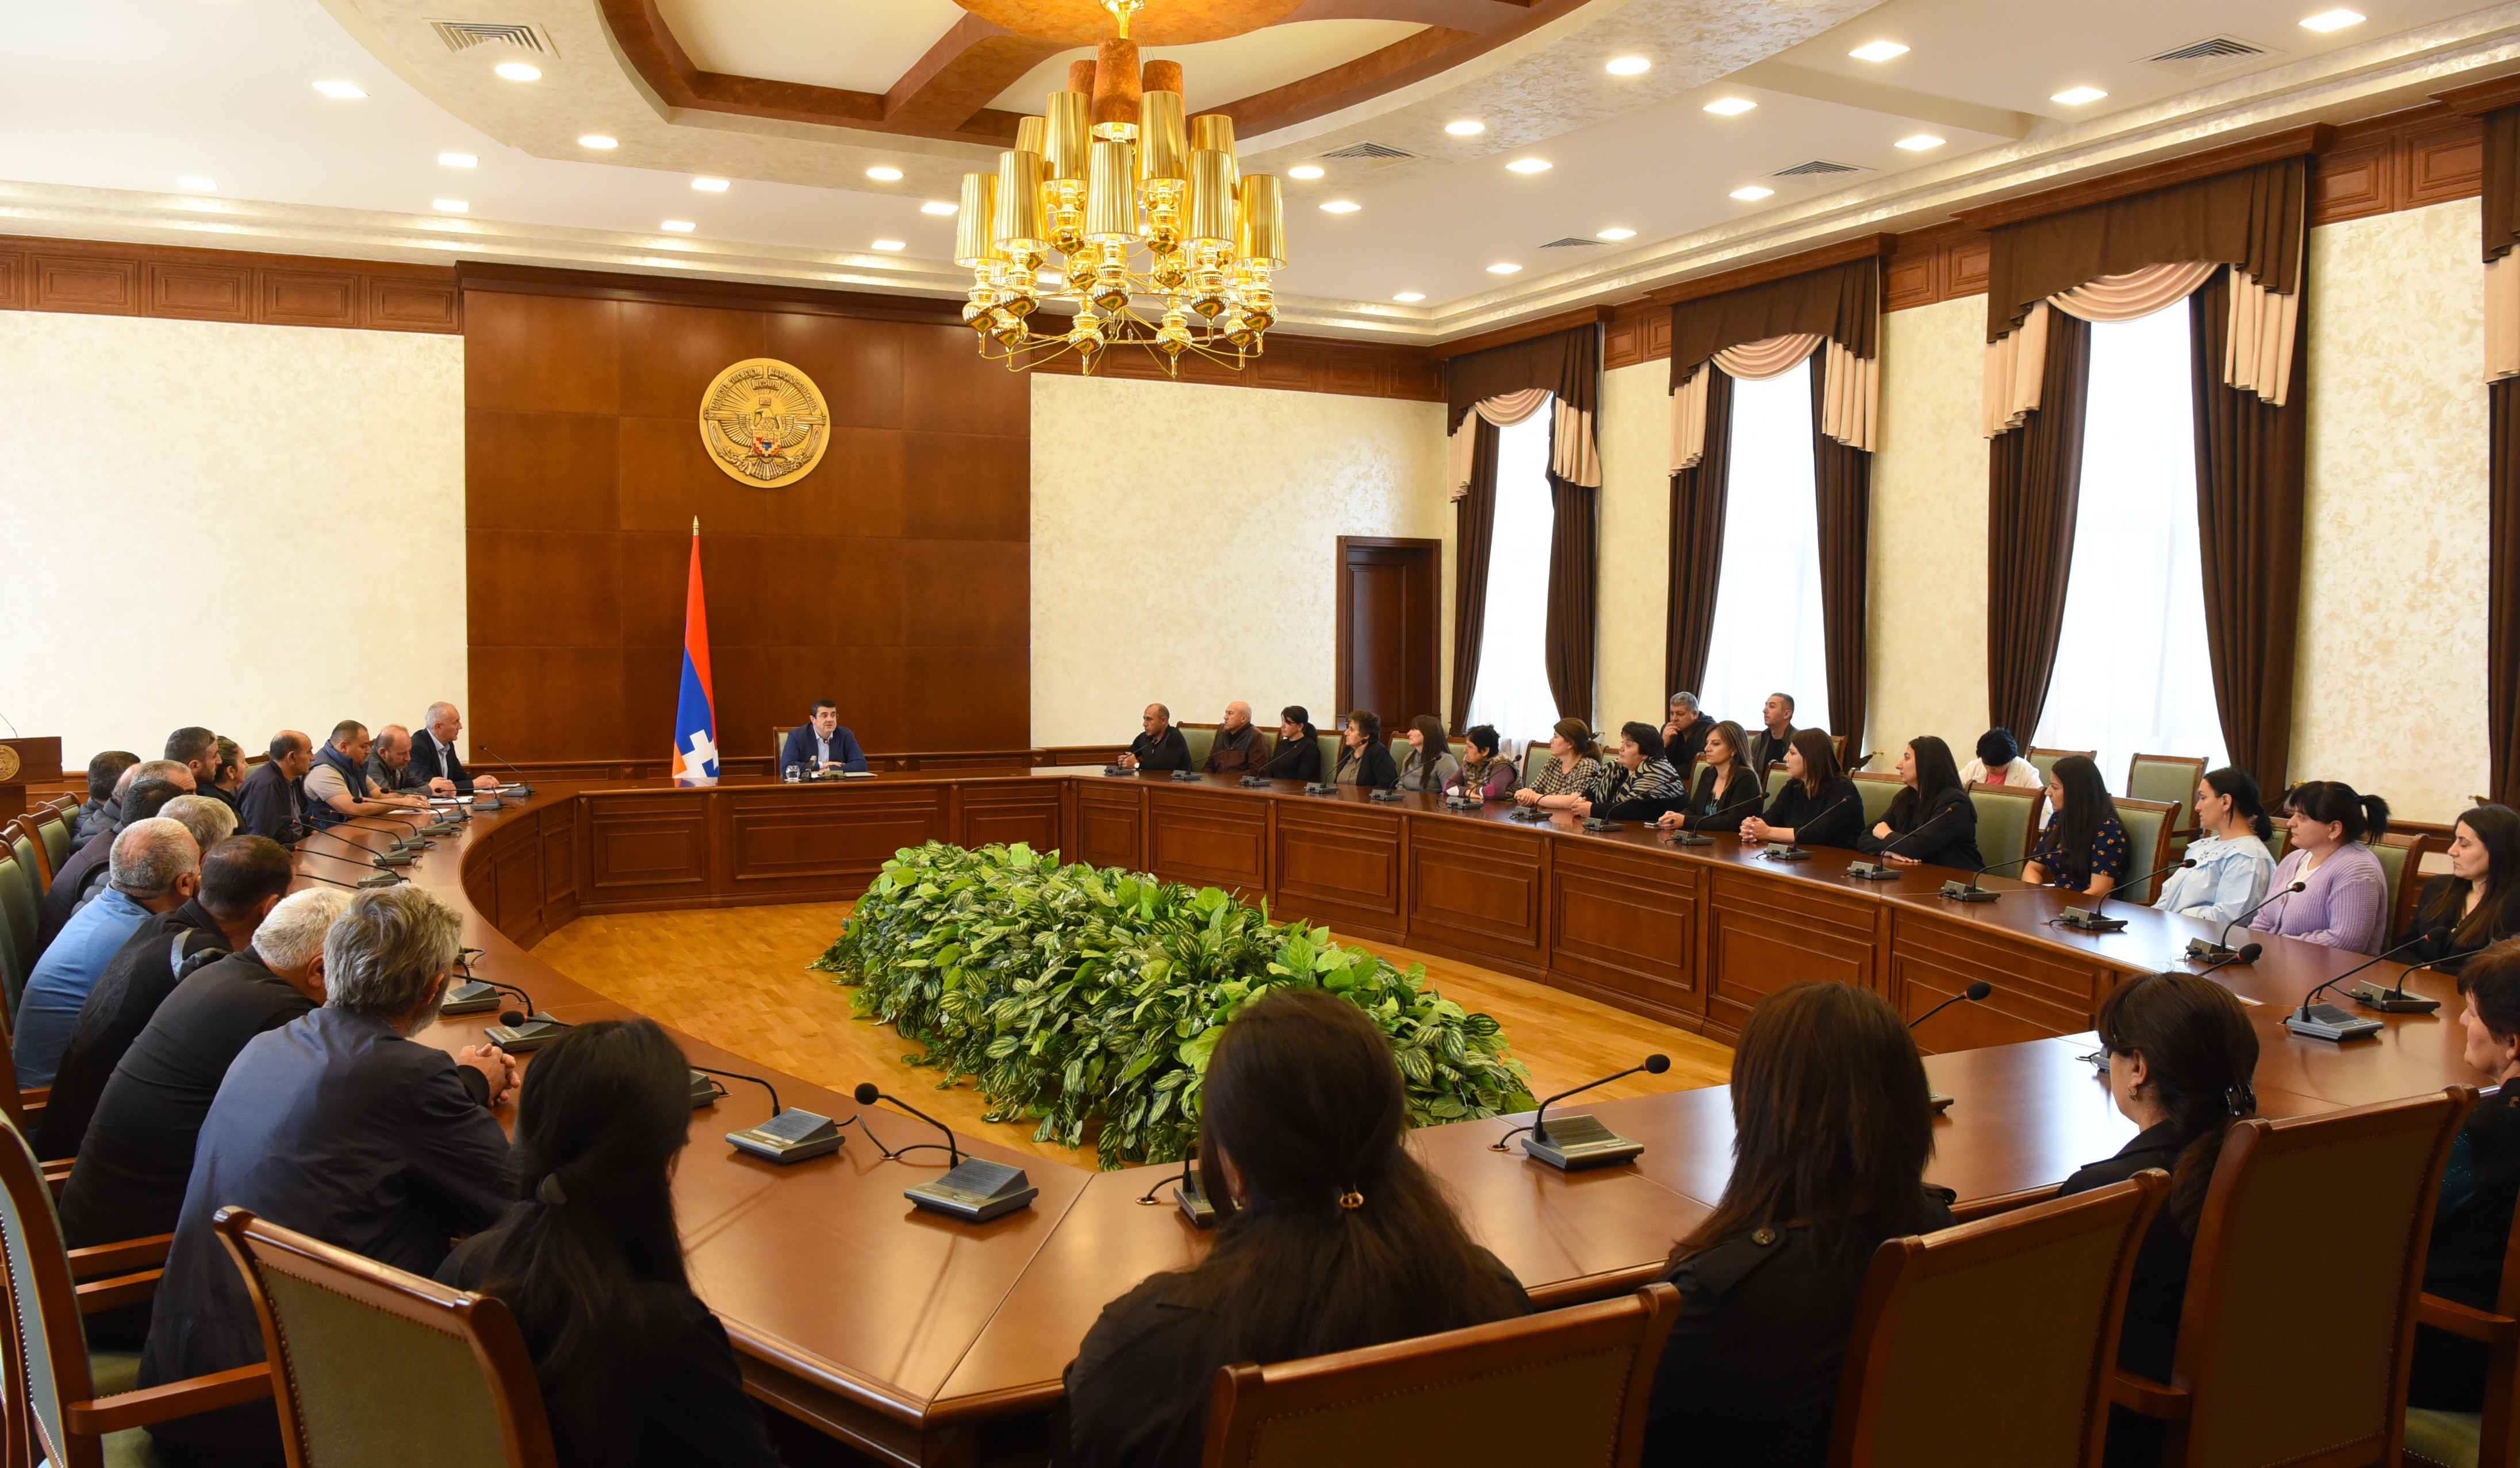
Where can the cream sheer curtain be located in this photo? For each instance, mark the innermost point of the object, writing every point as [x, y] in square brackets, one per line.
[2258, 358]
[2503, 318]
[1849, 412]
[1574, 456]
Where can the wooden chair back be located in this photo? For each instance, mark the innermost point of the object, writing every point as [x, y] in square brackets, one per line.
[2466, 1440]
[2147, 826]
[2049, 1281]
[779, 745]
[27, 844]
[2402, 856]
[21, 914]
[2044, 760]
[337, 1324]
[1562, 1386]
[1776, 778]
[2007, 821]
[2299, 1322]
[2167, 776]
[31, 827]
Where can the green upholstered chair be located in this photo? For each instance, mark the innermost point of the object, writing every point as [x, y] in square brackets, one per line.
[22, 911]
[1200, 740]
[2007, 822]
[2402, 856]
[2167, 776]
[1557, 1386]
[1330, 743]
[341, 1327]
[2044, 760]
[28, 846]
[1776, 778]
[59, 831]
[1535, 758]
[74, 1409]
[777, 744]
[1878, 790]
[2147, 829]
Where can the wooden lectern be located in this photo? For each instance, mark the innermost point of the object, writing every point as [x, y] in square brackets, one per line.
[24, 763]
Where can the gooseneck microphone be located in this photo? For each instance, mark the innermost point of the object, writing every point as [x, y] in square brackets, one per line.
[402, 840]
[1877, 869]
[1973, 892]
[1969, 995]
[374, 857]
[736, 1075]
[1580, 1141]
[2326, 1021]
[521, 786]
[380, 879]
[2198, 948]
[2248, 954]
[2090, 920]
[1793, 851]
[868, 1095]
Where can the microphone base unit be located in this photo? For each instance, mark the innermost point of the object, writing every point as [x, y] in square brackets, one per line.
[525, 1038]
[707, 1092]
[1785, 853]
[1530, 813]
[1187, 776]
[1939, 1102]
[1691, 838]
[793, 1135]
[1193, 1200]
[2390, 1001]
[2329, 1023]
[1967, 892]
[1317, 787]
[2082, 920]
[1386, 797]
[393, 859]
[2203, 952]
[380, 879]
[975, 1191]
[1574, 1143]
[1462, 802]
[1872, 872]
[470, 997]
[1597, 823]
[1114, 771]
[1256, 783]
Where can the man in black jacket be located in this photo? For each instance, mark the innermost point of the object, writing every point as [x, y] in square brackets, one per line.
[271, 804]
[389, 766]
[1767, 743]
[434, 760]
[107, 776]
[1161, 748]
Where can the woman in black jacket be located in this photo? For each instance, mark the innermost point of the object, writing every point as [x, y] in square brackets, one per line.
[1832, 1130]
[1729, 789]
[1335, 1237]
[2472, 1221]
[633, 1369]
[2183, 1059]
[1298, 755]
[1818, 806]
[1933, 820]
[1363, 759]
[2479, 899]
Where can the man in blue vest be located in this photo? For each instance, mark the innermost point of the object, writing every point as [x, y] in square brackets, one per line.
[821, 741]
[336, 785]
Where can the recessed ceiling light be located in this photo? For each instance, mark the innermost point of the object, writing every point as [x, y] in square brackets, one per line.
[1466, 129]
[939, 206]
[679, 226]
[1341, 206]
[889, 244]
[1628, 66]
[1409, 297]
[1730, 107]
[459, 161]
[2077, 96]
[1305, 170]
[2331, 20]
[344, 90]
[1920, 142]
[1877, 51]
[1507, 269]
[1529, 165]
[450, 206]
[1752, 194]
[597, 142]
[883, 175]
[199, 185]
[518, 71]
[1616, 234]
[710, 185]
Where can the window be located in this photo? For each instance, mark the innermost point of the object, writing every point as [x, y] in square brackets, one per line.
[1513, 690]
[2133, 674]
[1768, 635]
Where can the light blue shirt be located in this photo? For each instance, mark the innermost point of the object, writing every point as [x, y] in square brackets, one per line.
[50, 1008]
[2231, 875]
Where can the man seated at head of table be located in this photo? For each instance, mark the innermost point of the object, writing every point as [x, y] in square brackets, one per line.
[1684, 731]
[2232, 866]
[1832, 1129]
[272, 804]
[155, 869]
[1998, 762]
[336, 784]
[1574, 763]
[1776, 733]
[821, 743]
[1239, 747]
[2475, 899]
[146, 787]
[1817, 806]
[1158, 746]
[2472, 1221]
[1365, 761]
[2182, 1067]
[1729, 788]
[1932, 820]
[1298, 755]
[432, 754]
[1636, 783]
[107, 776]
[336, 1124]
[2344, 901]
[1335, 1237]
[2084, 846]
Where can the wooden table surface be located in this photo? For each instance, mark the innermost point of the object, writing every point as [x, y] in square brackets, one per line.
[924, 1341]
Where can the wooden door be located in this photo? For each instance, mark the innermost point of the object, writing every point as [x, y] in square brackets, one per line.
[1390, 601]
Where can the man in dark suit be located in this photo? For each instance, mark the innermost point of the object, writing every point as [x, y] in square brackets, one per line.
[1768, 743]
[271, 804]
[337, 1126]
[822, 740]
[1160, 747]
[389, 766]
[434, 758]
[154, 783]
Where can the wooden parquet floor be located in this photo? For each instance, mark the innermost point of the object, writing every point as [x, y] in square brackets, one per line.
[737, 978]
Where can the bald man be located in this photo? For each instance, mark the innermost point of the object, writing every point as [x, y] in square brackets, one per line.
[1160, 747]
[1240, 748]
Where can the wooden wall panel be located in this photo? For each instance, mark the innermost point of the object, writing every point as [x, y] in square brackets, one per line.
[1340, 867]
[824, 843]
[1208, 841]
[2036, 994]
[1765, 933]
[1002, 815]
[104, 278]
[1626, 922]
[1479, 891]
[1110, 825]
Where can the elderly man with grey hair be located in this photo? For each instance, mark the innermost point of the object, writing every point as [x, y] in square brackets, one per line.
[434, 758]
[1684, 734]
[156, 869]
[338, 1126]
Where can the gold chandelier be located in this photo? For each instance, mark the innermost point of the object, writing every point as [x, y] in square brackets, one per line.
[1138, 208]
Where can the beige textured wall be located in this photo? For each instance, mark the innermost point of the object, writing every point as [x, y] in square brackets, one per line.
[2391, 691]
[1184, 543]
[241, 526]
[1635, 543]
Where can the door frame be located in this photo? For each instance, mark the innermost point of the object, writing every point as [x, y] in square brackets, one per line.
[1345, 684]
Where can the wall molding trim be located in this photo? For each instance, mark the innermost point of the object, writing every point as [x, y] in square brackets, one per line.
[95, 278]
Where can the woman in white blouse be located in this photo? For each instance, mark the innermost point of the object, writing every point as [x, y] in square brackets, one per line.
[1998, 762]
[2232, 865]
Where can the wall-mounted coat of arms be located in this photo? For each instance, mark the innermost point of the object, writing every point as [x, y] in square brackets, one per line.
[765, 423]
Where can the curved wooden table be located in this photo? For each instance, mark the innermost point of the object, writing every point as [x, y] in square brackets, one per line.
[920, 1341]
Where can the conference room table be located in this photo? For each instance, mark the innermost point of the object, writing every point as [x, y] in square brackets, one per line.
[922, 1340]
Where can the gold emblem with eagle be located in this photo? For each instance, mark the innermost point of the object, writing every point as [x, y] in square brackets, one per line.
[765, 423]
[8, 763]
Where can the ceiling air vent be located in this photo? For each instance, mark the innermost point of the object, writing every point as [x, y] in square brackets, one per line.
[1571, 242]
[464, 35]
[2215, 53]
[1370, 151]
[1816, 168]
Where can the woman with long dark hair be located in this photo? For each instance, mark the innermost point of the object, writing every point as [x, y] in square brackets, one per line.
[633, 1369]
[1337, 1237]
[1485, 773]
[1730, 789]
[2183, 1060]
[1818, 806]
[1832, 1129]
[1575, 761]
[1363, 759]
[2472, 1221]
[2476, 898]
[2229, 863]
[2344, 901]
[1430, 761]
[2083, 848]
[1298, 752]
[1932, 820]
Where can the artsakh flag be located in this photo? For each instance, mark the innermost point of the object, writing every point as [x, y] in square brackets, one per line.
[695, 711]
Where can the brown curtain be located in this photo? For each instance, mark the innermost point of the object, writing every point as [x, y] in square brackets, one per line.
[1474, 531]
[1573, 559]
[2250, 217]
[1568, 363]
[2501, 182]
[2250, 475]
[2502, 606]
[2034, 487]
[1843, 479]
[1841, 302]
[1697, 497]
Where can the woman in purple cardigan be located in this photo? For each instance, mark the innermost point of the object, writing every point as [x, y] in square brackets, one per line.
[2345, 902]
